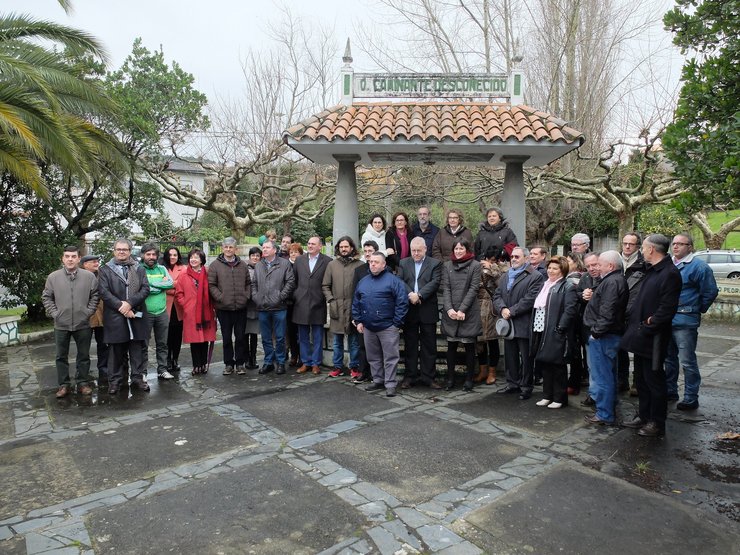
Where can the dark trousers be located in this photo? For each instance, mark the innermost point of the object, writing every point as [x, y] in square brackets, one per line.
[469, 361]
[293, 346]
[102, 351]
[174, 337]
[518, 364]
[135, 351]
[623, 369]
[82, 340]
[199, 353]
[652, 391]
[233, 327]
[420, 341]
[579, 365]
[489, 352]
[554, 381]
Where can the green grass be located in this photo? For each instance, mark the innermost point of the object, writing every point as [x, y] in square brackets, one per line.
[17, 311]
[716, 219]
[25, 326]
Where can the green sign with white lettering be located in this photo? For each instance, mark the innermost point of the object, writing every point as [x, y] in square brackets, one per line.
[384, 85]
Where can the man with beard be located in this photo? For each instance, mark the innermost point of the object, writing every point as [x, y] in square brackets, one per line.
[124, 288]
[424, 228]
[157, 319]
[338, 289]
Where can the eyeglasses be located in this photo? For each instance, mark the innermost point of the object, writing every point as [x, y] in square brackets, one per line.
[577, 244]
[677, 244]
[122, 250]
[630, 244]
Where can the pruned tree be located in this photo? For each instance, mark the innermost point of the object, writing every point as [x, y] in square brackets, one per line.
[714, 239]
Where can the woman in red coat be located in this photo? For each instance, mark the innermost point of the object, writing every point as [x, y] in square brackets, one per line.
[195, 310]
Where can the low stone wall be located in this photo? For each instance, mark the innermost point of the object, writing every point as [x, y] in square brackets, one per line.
[9, 330]
[727, 305]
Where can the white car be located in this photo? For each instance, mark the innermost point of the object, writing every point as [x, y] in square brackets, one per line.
[724, 263]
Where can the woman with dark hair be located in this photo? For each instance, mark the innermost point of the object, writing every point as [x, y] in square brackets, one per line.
[461, 309]
[493, 266]
[196, 310]
[494, 232]
[253, 324]
[398, 240]
[172, 260]
[375, 231]
[291, 330]
[552, 317]
[453, 231]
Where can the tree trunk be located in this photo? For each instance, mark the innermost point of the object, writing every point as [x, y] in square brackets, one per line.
[714, 240]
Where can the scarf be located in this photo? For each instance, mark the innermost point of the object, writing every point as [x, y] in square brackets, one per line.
[463, 258]
[202, 299]
[629, 261]
[128, 275]
[513, 274]
[541, 300]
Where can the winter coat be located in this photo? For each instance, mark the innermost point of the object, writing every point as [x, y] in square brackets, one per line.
[337, 288]
[428, 234]
[393, 241]
[175, 273]
[372, 235]
[380, 301]
[489, 278]
[698, 291]
[429, 280]
[560, 313]
[634, 276]
[273, 288]
[114, 290]
[70, 300]
[309, 303]
[657, 301]
[229, 284]
[251, 307]
[186, 296]
[605, 312]
[445, 241]
[519, 299]
[460, 284]
[493, 235]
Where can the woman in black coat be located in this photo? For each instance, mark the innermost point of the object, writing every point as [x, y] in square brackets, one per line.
[461, 309]
[398, 240]
[554, 310]
[494, 232]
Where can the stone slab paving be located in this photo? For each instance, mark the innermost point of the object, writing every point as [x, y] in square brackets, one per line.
[606, 516]
[303, 409]
[409, 456]
[264, 508]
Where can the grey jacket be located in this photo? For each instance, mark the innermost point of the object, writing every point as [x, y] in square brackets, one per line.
[70, 301]
[273, 287]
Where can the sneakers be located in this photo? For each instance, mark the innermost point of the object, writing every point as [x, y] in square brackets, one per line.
[165, 376]
[354, 373]
[543, 403]
[360, 379]
[228, 370]
[336, 373]
[241, 370]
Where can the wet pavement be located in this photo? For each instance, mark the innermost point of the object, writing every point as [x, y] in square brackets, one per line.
[310, 464]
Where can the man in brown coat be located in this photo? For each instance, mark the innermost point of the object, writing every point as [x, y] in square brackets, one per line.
[338, 290]
[309, 306]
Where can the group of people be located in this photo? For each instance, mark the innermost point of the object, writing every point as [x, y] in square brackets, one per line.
[586, 312]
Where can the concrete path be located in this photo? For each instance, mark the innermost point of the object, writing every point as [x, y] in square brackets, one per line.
[309, 464]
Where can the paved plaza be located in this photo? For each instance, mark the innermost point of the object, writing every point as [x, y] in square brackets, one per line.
[299, 464]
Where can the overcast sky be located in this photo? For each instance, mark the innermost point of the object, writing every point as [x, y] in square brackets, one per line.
[206, 37]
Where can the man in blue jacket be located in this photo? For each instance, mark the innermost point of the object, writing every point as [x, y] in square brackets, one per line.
[698, 291]
[379, 307]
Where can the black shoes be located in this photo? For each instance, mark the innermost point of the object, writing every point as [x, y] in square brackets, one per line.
[390, 392]
[683, 405]
[280, 369]
[140, 384]
[375, 387]
[509, 389]
[266, 369]
[588, 402]
[672, 397]
[468, 385]
[524, 395]
[538, 381]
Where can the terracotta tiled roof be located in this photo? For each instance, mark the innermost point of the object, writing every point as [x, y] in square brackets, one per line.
[434, 121]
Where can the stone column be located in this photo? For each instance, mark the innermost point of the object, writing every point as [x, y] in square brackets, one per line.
[346, 216]
[512, 198]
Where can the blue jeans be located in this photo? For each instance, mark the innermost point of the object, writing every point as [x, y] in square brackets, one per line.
[682, 348]
[353, 344]
[273, 323]
[310, 338]
[602, 363]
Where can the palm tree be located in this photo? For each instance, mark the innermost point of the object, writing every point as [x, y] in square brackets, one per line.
[46, 104]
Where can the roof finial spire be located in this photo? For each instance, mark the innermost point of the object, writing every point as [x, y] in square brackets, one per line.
[347, 58]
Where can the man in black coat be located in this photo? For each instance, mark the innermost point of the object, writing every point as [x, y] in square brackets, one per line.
[124, 287]
[421, 274]
[513, 299]
[634, 271]
[604, 316]
[649, 332]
